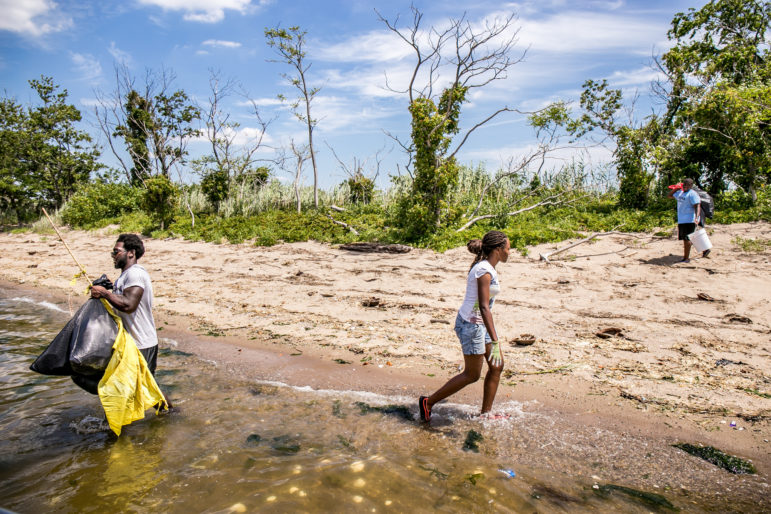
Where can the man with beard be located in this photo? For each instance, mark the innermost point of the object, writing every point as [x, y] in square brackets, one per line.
[132, 297]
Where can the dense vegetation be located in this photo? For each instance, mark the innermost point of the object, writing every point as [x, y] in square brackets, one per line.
[715, 127]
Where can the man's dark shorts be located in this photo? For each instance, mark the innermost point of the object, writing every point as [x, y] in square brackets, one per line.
[684, 230]
[151, 356]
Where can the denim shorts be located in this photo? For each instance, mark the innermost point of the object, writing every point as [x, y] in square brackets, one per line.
[472, 337]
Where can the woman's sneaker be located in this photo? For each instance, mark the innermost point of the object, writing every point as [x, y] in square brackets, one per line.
[425, 410]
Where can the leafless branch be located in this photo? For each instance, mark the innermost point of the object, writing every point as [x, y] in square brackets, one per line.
[552, 200]
[545, 256]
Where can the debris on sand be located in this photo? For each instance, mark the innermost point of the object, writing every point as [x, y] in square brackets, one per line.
[650, 499]
[737, 318]
[718, 458]
[401, 411]
[375, 248]
[607, 333]
[525, 339]
[371, 302]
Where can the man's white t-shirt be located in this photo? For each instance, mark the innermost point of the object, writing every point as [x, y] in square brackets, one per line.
[469, 310]
[140, 323]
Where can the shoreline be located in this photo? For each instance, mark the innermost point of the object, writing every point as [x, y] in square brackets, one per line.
[583, 390]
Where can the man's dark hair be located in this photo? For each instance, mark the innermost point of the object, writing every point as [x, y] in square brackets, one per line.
[688, 182]
[132, 242]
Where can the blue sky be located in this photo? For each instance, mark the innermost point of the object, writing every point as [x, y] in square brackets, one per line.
[78, 43]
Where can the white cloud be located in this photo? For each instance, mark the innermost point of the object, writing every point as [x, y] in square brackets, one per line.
[368, 81]
[90, 102]
[260, 102]
[206, 11]
[335, 113]
[639, 77]
[218, 43]
[500, 156]
[377, 47]
[583, 31]
[119, 55]
[32, 17]
[87, 65]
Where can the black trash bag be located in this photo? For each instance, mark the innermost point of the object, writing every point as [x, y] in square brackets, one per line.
[83, 347]
[104, 282]
[88, 382]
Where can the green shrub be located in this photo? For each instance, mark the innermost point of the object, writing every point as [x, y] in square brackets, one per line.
[215, 186]
[99, 203]
[361, 189]
[159, 198]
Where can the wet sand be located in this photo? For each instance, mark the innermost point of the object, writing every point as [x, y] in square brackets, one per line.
[683, 369]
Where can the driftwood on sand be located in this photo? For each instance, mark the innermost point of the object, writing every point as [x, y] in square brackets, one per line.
[365, 247]
[545, 256]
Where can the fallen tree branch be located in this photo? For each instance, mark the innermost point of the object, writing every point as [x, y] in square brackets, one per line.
[346, 225]
[545, 256]
[336, 208]
[375, 247]
[552, 200]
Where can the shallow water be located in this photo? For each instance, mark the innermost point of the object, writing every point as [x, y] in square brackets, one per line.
[238, 445]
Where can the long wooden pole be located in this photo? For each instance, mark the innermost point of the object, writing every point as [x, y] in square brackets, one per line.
[82, 269]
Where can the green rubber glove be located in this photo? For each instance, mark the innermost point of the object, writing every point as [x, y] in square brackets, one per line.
[495, 355]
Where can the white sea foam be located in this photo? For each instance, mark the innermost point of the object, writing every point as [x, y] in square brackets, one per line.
[47, 305]
[170, 342]
[90, 425]
[513, 408]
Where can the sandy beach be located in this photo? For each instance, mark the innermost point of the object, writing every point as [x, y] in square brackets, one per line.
[680, 367]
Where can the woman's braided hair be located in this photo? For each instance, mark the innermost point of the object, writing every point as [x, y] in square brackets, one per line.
[483, 247]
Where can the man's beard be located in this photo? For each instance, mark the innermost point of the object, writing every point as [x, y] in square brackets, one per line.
[120, 263]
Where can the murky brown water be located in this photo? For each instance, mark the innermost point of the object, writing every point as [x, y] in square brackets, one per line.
[238, 445]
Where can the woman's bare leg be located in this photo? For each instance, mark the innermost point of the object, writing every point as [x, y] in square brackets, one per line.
[492, 378]
[471, 373]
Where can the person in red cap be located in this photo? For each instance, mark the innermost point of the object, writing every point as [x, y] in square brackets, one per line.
[688, 213]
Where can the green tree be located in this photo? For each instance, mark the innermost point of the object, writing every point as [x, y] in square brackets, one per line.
[155, 123]
[135, 132]
[289, 44]
[44, 156]
[15, 193]
[719, 77]
[632, 154]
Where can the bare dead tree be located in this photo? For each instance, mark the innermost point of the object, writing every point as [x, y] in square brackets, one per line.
[359, 167]
[462, 54]
[292, 160]
[229, 156]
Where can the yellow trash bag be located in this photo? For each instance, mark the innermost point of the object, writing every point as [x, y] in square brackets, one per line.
[128, 388]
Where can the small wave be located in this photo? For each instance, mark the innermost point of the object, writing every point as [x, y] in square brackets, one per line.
[169, 342]
[512, 408]
[90, 425]
[47, 305]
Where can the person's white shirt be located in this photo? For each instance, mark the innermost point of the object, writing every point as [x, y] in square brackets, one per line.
[469, 309]
[140, 323]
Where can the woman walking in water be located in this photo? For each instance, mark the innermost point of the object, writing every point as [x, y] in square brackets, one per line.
[474, 324]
